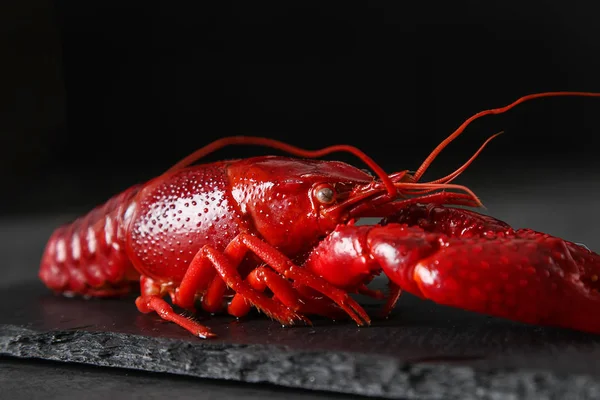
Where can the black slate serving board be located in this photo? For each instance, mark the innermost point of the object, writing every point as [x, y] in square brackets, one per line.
[423, 351]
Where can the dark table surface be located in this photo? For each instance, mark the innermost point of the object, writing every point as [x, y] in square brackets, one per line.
[423, 351]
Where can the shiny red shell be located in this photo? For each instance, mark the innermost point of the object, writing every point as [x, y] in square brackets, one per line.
[172, 217]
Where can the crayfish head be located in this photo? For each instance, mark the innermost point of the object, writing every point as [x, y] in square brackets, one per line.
[294, 203]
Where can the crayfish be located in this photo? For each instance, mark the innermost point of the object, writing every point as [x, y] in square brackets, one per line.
[280, 234]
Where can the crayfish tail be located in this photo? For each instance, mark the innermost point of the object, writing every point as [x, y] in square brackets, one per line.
[87, 257]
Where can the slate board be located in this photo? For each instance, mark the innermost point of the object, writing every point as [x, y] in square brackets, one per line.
[424, 351]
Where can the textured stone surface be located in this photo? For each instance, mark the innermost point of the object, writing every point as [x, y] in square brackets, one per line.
[27, 380]
[423, 352]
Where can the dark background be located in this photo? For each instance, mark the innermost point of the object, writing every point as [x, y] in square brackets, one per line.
[98, 95]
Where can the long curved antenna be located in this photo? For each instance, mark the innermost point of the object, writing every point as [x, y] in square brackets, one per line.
[424, 188]
[421, 170]
[278, 145]
[450, 177]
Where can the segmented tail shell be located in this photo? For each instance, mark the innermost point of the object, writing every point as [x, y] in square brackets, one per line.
[87, 256]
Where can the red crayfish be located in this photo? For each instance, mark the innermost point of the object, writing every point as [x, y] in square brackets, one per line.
[279, 234]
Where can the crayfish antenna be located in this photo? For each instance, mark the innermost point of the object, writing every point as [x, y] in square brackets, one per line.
[444, 183]
[424, 188]
[288, 148]
[450, 177]
[421, 170]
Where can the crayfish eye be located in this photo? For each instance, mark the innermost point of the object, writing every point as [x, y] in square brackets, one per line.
[325, 194]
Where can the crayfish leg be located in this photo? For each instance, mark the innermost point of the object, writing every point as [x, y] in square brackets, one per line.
[147, 304]
[150, 300]
[393, 297]
[284, 266]
[212, 301]
[374, 294]
[226, 264]
[260, 279]
[300, 299]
